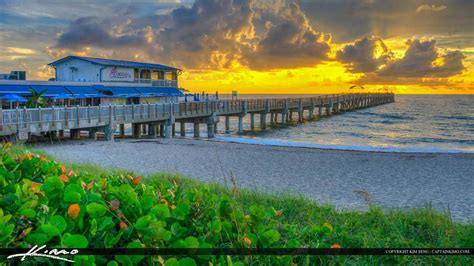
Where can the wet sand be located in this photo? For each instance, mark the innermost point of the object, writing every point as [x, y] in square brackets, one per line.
[397, 180]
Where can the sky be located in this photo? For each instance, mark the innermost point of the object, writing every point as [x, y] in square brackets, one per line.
[256, 46]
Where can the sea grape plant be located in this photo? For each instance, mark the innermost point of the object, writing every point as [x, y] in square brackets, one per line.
[44, 203]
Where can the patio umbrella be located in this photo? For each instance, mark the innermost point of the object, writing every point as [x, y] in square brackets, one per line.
[13, 98]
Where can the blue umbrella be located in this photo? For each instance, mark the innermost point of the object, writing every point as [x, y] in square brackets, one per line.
[13, 98]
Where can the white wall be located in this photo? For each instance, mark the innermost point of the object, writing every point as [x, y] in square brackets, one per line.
[85, 71]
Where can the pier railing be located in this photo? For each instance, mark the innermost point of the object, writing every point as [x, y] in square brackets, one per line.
[36, 120]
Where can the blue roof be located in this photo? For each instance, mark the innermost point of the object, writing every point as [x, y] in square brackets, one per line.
[83, 90]
[116, 91]
[16, 89]
[51, 90]
[160, 91]
[90, 91]
[112, 62]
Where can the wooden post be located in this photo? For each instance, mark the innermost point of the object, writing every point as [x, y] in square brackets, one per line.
[210, 130]
[263, 120]
[252, 121]
[182, 129]
[227, 124]
[122, 130]
[136, 131]
[162, 130]
[241, 124]
[196, 129]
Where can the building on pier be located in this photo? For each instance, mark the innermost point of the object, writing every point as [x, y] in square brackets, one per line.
[92, 81]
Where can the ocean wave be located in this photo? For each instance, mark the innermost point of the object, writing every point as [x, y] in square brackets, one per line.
[388, 116]
[457, 117]
[282, 143]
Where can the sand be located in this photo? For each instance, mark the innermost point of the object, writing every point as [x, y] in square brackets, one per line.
[393, 180]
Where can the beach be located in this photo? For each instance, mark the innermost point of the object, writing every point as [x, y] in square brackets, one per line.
[337, 177]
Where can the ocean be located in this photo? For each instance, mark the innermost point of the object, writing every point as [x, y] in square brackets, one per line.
[413, 123]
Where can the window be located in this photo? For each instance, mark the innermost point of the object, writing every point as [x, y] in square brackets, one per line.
[154, 75]
[145, 74]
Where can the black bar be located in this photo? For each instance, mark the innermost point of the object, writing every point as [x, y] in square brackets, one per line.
[256, 251]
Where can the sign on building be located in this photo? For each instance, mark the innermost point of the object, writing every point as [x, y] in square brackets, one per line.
[117, 74]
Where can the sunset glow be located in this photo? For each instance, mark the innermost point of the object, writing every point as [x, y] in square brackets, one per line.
[271, 47]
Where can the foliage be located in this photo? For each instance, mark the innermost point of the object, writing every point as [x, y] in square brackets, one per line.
[45, 202]
[36, 99]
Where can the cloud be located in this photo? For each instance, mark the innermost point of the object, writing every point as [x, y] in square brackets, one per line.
[365, 55]
[422, 59]
[421, 64]
[289, 42]
[90, 31]
[209, 34]
[430, 8]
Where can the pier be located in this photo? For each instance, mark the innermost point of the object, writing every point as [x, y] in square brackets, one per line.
[159, 120]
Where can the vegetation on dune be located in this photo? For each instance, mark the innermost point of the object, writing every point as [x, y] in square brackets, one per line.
[45, 202]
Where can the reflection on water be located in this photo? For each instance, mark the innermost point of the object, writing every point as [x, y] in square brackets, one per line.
[414, 122]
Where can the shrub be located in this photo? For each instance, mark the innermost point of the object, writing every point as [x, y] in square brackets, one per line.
[42, 202]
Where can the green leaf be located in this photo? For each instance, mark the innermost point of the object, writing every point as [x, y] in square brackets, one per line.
[112, 263]
[257, 212]
[216, 226]
[225, 208]
[37, 239]
[52, 183]
[181, 211]
[28, 213]
[72, 197]
[191, 242]
[110, 240]
[6, 231]
[146, 202]
[59, 222]
[270, 236]
[143, 222]
[96, 210]
[172, 262]
[187, 262]
[107, 224]
[130, 259]
[135, 244]
[160, 211]
[93, 228]
[73, 193]
[74, 241]
[49, 230]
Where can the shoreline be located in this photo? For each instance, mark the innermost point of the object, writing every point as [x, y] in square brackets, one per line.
[392, 180]
[335, 147]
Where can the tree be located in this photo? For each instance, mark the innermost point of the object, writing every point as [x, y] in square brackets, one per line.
[36, 100]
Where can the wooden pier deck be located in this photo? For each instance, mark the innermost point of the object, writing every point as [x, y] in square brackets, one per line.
[160, 119]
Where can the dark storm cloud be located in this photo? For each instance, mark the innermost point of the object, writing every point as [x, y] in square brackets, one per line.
[211, 33]
[361, 56]
[420, 61]
[89, 31]
[291, 42]
[205, 34]
[352, 19]
[261, 35]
